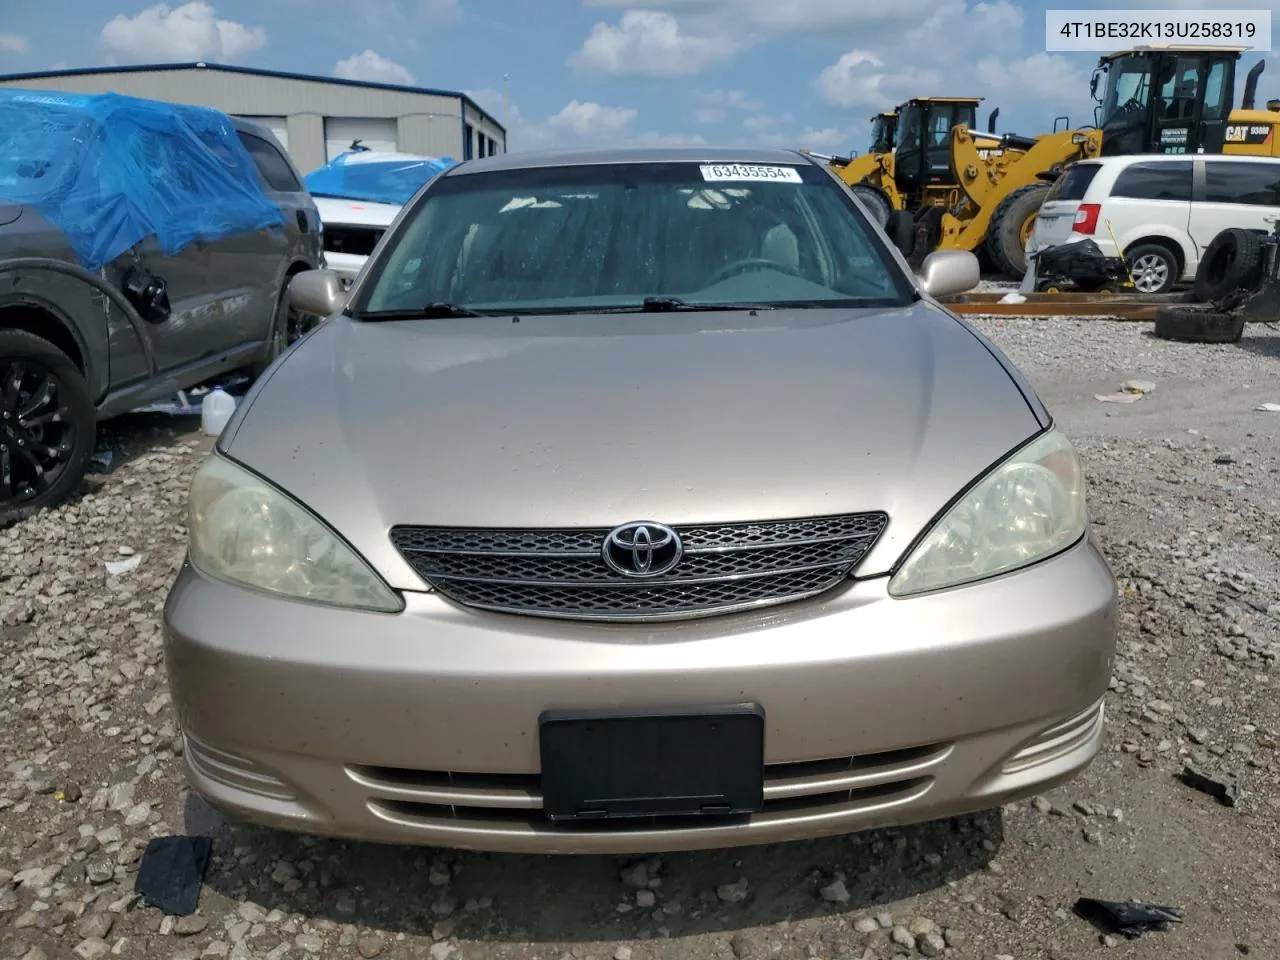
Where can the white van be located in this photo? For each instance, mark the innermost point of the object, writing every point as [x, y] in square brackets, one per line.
[1164, 209]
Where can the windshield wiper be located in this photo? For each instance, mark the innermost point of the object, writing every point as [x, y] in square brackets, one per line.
[432, 311]
[675, 304]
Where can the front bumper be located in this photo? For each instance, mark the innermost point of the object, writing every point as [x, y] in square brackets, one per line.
[422, 727]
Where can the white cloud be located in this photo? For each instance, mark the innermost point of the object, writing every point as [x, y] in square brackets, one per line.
[372, 67]
[787, 15]
[826, 139]
[578, 124]
[649, 43]
[189, 32]
[13, 43]
[715, 106]
[976, 50]
[589, 119]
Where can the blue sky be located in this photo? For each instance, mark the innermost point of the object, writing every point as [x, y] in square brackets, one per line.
[803, 73]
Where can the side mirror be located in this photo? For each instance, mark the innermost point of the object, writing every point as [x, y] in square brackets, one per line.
[901, 228]
[948, 272]
[317, 292]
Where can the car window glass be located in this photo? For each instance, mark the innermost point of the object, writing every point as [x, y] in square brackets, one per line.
[273, 167]
[615, 234]
[1074, 182]
[1155, 181]
[1251, 183]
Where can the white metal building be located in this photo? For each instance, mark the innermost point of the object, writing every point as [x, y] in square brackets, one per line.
[315, 118]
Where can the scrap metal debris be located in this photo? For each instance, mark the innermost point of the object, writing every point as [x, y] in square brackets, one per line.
[1131, 391]
[1225, 789]
[1130, 918]
[118, 568]
[171, 873]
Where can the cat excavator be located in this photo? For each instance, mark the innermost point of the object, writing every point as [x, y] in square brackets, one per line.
[1166, 98]
[907, 166]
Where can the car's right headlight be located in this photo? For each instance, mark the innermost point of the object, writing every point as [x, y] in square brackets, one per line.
[1030, 507]
[245, 531]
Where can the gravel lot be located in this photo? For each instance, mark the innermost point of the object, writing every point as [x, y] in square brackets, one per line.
[1185, 492]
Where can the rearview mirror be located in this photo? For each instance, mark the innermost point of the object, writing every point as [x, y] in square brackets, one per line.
[945, 273]
[317, 292]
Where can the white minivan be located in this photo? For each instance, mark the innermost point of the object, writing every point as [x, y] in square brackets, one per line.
[1163, 209]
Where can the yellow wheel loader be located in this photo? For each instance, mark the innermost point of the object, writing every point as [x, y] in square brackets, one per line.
[907, 166]
[1156, 99]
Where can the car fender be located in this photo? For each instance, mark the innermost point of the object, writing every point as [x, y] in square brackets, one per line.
[1148, 231]
[78, 301]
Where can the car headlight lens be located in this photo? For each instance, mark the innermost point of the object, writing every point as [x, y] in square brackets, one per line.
[244, 531]
[1028, 508]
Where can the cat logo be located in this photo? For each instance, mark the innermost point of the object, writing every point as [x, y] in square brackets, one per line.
[1254, 133]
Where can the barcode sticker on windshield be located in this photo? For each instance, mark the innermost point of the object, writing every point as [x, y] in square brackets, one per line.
[749, 171]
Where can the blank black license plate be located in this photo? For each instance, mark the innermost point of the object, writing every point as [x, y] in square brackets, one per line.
[652, 763]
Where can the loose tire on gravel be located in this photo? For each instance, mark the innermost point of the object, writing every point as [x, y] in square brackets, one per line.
[1232, 262]
[1010, 228]
[1198, 326]
[875, 200]
[48, 425]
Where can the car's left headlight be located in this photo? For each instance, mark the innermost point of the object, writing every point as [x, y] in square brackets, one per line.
[1030, 507]
[245, 531]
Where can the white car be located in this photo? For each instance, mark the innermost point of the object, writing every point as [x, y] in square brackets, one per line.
[1161, 210]
[352, 228]
[359, 194]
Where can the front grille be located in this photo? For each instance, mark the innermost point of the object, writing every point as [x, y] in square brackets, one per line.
[562, 573]
[514, 801]
[357, 241]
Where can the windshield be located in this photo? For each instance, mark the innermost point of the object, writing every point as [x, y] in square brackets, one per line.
[1128, 83]
[585, 238]
[882, 134]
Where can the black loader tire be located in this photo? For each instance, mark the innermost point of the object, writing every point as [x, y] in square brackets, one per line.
[875, 200]
[1004, 243]
[928, 229]
[1198, 326]
[1233, 261]
[72, 394]
[901, 229]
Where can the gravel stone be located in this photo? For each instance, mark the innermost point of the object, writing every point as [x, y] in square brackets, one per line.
[931, 944]
[835, 892]
[733, 892]
[191, 925]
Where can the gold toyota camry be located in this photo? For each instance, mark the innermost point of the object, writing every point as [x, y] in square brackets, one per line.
[635, 501]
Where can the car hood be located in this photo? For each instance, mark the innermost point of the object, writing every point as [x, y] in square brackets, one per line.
[9, 213]
[360, 213]
[603, 419]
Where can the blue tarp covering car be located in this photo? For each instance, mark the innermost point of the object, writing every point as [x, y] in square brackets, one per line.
[375, 177]
[110, 171]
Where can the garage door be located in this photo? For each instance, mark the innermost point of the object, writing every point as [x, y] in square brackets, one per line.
[376, 134]
[277, 125]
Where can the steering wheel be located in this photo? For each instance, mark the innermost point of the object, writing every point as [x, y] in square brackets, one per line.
[749, 263]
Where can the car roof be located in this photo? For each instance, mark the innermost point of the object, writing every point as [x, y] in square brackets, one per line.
[567, 158]
[1173, 158]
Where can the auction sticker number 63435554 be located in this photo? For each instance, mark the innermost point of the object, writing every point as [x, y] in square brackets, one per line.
[750, 171]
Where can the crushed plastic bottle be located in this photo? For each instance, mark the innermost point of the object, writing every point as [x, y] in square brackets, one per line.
[216, 410]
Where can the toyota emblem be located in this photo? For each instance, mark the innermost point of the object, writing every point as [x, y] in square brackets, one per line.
[642, 549]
